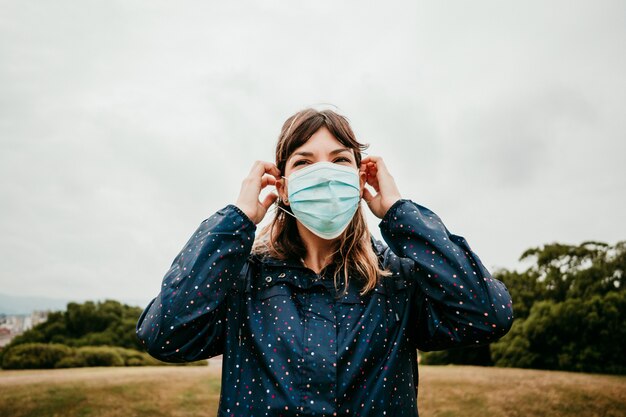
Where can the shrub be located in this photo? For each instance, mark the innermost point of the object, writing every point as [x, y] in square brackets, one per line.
[100, 356]
[74, 361]
[35, 356]
[54, 355]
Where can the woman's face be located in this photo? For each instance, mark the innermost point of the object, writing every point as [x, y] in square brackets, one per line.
[321, 146]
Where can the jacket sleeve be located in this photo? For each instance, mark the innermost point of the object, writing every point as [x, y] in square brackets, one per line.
[456, 300]
[186, 321]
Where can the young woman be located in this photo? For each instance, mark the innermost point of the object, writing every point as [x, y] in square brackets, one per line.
[314, 316]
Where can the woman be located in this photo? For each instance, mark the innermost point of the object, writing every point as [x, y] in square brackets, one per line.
[314, 316]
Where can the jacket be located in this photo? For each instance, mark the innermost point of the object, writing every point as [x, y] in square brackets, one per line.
[292, 348]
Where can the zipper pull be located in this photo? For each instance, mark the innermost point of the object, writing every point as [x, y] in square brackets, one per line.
[397, 318]
[239, 336]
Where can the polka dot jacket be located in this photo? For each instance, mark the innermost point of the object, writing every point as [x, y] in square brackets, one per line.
[294, 345]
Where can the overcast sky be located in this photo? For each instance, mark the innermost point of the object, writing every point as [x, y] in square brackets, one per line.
[124, 124]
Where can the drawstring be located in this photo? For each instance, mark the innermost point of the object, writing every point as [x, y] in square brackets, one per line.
[390, 298]
[242, 286]
[386, 284]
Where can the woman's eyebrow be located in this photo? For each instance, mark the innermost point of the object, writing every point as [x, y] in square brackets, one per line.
[336, 151]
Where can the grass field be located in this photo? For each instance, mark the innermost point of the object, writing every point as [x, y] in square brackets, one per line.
[445, 391]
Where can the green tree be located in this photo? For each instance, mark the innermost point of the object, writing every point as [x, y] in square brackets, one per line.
[569, 307]
[578, 334]
[91, 323]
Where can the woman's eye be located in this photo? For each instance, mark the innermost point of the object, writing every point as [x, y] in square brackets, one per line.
[302, 161]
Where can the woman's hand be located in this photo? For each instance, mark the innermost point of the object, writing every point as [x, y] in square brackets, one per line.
[261, 175]
[381, 180]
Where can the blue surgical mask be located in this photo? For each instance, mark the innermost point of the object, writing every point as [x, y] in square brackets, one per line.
[324, 197]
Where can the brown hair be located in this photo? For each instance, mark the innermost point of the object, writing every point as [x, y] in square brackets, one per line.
[280, 238]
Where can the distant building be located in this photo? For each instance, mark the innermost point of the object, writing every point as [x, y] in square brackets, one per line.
[5, 336]
[14, 325]
[38, 317]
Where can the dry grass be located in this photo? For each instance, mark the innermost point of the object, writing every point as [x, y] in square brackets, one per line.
[445, 391]
[473, 391]
[110, 392]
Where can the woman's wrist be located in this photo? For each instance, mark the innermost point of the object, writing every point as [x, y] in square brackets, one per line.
[388, 207]
[243, 213]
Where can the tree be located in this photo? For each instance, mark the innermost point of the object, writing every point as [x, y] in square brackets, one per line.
[107, 323]
[569, 307]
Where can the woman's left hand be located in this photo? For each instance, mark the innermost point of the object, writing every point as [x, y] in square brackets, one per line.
[381, 180]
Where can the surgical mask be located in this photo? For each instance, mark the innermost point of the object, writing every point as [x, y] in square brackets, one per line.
[324, 197]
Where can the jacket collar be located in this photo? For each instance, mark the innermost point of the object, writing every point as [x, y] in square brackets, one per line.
[293, 272]
[291, 262]
[377, 245]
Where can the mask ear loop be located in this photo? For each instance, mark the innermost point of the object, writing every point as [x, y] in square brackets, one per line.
[291, 214]
[277, 206]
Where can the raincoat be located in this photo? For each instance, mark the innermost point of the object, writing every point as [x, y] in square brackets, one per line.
[294, 345]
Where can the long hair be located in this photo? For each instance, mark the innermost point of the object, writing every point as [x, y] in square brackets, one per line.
[280, 239]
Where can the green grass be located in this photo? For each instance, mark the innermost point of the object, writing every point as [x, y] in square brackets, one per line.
[444, 391]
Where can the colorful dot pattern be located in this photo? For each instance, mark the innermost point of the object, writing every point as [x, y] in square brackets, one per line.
[294, 345]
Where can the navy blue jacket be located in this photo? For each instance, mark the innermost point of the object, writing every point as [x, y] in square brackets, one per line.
[291, 349]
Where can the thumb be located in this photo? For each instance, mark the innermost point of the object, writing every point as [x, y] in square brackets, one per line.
[367, 195]
[269, 200]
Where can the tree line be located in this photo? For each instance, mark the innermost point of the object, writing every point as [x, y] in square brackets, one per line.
[87, 334]
[569, 307]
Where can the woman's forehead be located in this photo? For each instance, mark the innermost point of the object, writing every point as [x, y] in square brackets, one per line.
[321, 143]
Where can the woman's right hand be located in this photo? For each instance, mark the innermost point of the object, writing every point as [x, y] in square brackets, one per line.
[261, 175]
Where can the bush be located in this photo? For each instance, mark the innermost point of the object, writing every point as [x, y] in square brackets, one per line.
[74, 361]
[54, 355]
[135, 362]
[100, 356]
[35, 356]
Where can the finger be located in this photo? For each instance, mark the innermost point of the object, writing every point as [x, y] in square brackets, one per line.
[267, 180]
[372, 170]
[366, 159]
[378, 162]
[263, 167]
[372, 179]
[377, 169]
[370, 158]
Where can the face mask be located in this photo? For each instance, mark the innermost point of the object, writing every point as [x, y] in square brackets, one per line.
[324, 197]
